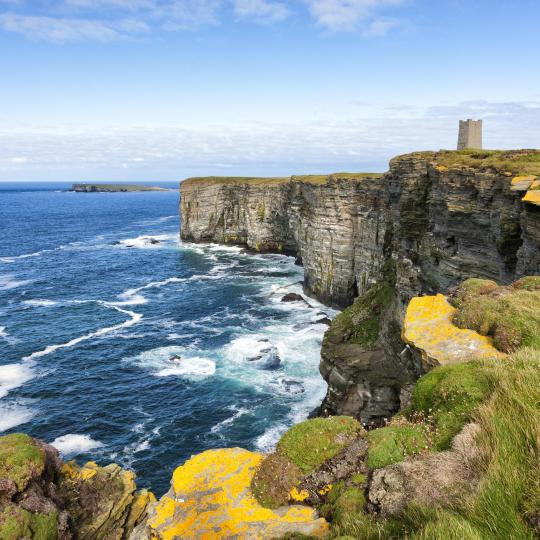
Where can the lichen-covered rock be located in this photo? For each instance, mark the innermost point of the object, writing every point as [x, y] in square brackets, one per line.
[42, 498]
[211, 498]
[429, 329]
[102, 501]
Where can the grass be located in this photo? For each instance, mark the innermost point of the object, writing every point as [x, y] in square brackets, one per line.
[393, 443]
[316, 179]
[360, 323]
[510, 315]
[20, 459]
[311, 443]
[515, 162]
[446, 397]
[17, 523]
[443, 401]
[507, 501]
[234, 180]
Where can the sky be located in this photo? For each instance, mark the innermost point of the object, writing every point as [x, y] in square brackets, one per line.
[160, 90]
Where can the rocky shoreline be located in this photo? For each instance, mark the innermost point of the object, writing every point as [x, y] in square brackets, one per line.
[436, 353]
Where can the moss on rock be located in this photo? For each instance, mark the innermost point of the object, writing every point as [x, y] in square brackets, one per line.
[21, 459]
[360, 323]
[17, 523]
[311, 443]
[393, 443]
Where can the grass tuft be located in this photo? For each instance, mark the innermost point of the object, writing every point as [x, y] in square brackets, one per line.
[311, 443]
[510, 315]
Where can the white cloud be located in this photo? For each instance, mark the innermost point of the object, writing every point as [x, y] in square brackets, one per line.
[68, 30]
[112, 20]
[350, 15]
[261, 10]
[364, 141]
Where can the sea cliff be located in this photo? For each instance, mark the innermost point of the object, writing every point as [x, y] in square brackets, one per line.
[376, 241]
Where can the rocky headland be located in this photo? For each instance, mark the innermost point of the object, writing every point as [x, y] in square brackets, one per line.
[373, 242]
[431, 425]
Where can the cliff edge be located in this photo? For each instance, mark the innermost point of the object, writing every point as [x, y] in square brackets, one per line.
[373, 242]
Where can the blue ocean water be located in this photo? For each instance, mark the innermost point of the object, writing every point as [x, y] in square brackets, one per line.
[97, 295]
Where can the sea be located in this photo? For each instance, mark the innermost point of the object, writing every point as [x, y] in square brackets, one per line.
[121, 343]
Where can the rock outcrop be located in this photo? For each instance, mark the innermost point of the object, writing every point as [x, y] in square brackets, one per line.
[210, 497]
[42, 497]
[432, 221]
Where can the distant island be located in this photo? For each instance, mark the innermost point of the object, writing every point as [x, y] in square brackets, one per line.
[112, 188]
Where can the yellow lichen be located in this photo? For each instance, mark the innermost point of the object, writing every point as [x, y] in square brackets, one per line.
[298, 496]
[211, 499]
[532, 197]
[522, 183]
[325, 489]
[441, 168]
[428, 327]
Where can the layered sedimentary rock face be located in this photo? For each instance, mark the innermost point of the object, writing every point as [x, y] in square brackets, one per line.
[432, 221]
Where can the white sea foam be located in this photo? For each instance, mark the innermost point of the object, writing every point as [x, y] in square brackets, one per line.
[190, 366]
[244, 347]
[13, 414]
[135, 318]
[24, 256]
[6, 337]
[132, 297]
[195, 367]
[74, 444]
[14, 375]
[7, 282]
[148, 241]
[40, 303]
[238, 412]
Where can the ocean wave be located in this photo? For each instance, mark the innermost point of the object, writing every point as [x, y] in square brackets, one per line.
[135, 318]
[14, 375]
[195, 367]
[189, 366]
[74, 444]
[6, 337]
[15, 258]
[132, 297]
[8, 282]
[238, 412]
[14, 414]
[148, 241]
[40, 303]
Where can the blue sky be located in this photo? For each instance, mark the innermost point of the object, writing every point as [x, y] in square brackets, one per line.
[165, 89]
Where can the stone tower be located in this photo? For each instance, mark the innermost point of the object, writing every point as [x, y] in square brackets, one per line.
[470, 134]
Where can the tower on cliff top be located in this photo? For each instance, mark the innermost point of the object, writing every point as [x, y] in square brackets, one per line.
[470, 134]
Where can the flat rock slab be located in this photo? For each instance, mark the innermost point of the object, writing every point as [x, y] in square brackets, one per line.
[210, 498]
[428, 327]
